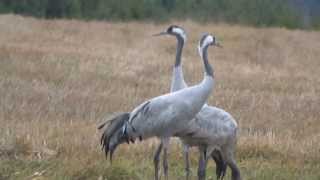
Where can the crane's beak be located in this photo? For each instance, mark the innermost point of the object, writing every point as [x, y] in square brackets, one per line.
[160, 34]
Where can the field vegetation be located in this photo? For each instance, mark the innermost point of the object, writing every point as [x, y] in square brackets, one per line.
[59, 79]
[262, 13]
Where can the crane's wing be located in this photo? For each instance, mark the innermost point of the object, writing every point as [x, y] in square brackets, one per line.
[115, 124]
[140, 110]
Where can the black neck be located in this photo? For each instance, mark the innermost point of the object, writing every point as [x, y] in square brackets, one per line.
[207, 66]
[180, 44]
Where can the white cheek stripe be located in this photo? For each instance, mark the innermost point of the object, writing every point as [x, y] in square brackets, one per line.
[208, 40]
[180, 32]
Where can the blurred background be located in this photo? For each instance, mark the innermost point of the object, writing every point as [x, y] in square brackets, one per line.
[286, 13]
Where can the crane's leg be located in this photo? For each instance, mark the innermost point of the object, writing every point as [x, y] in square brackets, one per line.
[165, 157]
[156, 161]
[202, 165]
[187, 162]
[235, 172]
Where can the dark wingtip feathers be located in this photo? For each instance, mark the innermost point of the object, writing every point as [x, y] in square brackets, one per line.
[102, 125]
[114, 125]
[221, 166]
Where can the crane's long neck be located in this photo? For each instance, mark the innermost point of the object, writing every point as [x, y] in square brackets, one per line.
[207, 66]
[177, 81]
[207, 84]
[180, 44]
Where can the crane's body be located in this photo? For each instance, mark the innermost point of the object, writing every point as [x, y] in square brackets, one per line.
[175, 114]
[211, 127]
[163, 116]
[166, 115]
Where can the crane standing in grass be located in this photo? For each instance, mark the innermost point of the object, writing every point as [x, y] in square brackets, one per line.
[214, 130]
[163, 116]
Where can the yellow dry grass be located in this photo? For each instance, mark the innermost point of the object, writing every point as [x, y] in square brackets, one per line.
[59, 78]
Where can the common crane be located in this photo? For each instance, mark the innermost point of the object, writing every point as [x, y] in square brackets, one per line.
[163, 116]
[213, 131]
[222, 120]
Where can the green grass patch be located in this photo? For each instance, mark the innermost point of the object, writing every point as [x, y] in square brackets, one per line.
[124, 168]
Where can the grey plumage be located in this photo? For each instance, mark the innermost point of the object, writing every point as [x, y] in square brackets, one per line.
[213, 129]
[168, 114]
[189, 137]
[165, 115]
[178, 83]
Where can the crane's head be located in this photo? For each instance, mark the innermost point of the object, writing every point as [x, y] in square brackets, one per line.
[174, 30]
[207, 40]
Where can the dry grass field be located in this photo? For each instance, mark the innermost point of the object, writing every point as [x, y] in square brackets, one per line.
[60, 78]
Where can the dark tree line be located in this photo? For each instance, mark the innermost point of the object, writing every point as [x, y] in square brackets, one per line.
[287, 13]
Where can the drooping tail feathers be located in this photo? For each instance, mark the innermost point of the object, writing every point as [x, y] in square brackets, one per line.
[112, 135]
[221, 166]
